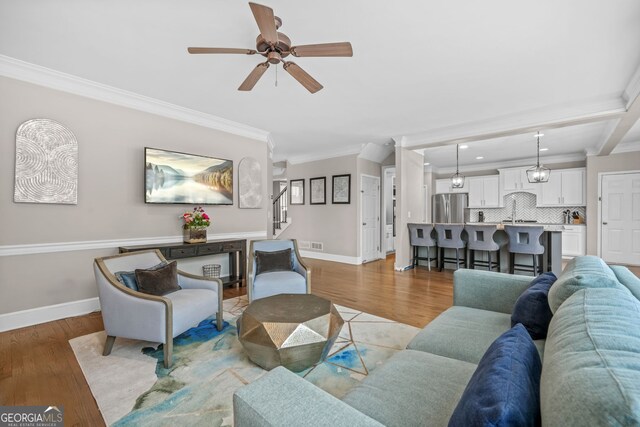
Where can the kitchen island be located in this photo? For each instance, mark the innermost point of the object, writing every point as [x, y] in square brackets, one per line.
[551, 240]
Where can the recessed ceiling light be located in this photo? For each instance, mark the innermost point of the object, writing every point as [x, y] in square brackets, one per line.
[544, 149]
[464, 147]
[479, 158]
[427, 164]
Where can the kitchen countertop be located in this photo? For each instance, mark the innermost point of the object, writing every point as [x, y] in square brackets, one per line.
[547, 226]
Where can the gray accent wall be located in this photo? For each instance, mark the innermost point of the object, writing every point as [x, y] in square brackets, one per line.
[336, 226]
[621, 162]
[110, 191]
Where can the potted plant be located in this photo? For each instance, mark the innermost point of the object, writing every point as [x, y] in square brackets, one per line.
[195, 225]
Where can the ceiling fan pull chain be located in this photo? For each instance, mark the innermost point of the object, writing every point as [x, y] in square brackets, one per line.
[276, 75]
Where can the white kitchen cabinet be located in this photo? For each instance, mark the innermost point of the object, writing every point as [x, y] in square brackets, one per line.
[515, 179]
[484, 191]
[444, 186]
[574, 240]
[566, 187]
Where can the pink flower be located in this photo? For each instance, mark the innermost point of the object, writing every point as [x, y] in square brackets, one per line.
[205, 216]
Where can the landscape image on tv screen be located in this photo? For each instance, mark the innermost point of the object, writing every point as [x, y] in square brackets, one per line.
[172, 177]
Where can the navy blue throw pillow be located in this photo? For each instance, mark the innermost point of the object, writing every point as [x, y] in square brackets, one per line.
[505, 388]
[532, 307]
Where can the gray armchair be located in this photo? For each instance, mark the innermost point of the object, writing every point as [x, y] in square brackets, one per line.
[271, 283]
[131, 314]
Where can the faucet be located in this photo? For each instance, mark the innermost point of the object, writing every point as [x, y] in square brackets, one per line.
[513, 212]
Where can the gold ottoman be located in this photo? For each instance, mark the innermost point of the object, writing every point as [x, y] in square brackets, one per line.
[291, 330]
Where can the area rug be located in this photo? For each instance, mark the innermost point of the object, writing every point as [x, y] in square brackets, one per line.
[132, 387]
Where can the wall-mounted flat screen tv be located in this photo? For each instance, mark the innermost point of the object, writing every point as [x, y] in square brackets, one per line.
[173, 177]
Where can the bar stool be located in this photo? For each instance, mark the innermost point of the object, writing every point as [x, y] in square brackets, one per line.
[481, 239]
[420, 235]
[450, 236]
[525, 240]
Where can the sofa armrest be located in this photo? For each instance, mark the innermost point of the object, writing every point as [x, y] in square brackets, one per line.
[488, 290]
[282, 398]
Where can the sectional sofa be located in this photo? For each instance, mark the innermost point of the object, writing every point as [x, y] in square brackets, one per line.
[590, 359]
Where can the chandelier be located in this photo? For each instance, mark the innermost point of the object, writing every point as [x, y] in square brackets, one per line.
[538, 173]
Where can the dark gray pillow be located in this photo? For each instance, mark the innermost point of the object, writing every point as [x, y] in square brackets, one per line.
[159, 282]
[273, 261]
[128, 278]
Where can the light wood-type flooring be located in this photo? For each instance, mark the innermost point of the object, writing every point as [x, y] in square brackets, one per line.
[37, 365]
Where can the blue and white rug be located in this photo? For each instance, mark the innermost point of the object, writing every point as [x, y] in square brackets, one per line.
[132, 387]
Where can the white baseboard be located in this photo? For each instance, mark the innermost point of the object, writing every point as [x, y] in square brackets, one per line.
[331, 257]
[34, 316]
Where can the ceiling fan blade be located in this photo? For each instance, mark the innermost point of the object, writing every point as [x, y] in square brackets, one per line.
[220, 50]
[266, 22]
[324, 49]
[302, 77]
[254, 76]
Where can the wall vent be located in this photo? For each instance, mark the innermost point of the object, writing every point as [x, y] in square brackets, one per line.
[317, 246]
[304, 244]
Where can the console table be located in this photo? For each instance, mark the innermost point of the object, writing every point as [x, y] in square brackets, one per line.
[172, 251]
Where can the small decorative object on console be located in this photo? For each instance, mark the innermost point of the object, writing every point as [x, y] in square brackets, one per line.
[195, 225]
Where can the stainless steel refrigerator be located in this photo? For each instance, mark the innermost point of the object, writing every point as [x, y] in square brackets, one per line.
[449, 208]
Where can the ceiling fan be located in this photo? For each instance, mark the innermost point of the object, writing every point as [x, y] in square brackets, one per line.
[276, 46]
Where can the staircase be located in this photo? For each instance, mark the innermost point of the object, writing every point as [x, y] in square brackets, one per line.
[280, 219]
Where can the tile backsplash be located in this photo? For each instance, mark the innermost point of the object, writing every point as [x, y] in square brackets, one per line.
[525, 209]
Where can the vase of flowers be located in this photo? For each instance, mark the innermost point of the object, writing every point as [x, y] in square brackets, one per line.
[195, 225]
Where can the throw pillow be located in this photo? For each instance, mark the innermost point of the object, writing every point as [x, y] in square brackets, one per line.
[128, 278]
[532, 307]
[504, 390]
[159, 282]
[273, 261]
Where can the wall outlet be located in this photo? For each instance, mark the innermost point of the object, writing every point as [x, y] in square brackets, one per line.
[318, 246]
[408, 214]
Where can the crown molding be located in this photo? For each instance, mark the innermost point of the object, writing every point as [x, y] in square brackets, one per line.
[42, 76]
[324, 155]
[518, 123]
[512, 163]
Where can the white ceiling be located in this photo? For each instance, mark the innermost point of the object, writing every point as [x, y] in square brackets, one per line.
[417, 65]
[560, 144]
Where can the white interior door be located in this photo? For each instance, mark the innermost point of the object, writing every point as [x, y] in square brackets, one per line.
[621, 218]
[370, 234]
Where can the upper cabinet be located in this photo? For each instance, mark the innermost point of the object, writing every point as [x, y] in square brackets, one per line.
[484, 191]
[566, 187]
[515, 179]
[444, 186]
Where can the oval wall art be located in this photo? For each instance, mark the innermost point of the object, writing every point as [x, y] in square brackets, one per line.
[250, 184]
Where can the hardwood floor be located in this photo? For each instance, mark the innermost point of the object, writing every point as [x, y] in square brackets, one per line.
[38, 367]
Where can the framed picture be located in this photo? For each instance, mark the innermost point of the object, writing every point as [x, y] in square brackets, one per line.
[318, 191]
[174, 177]
[296, 187]
[341, 189]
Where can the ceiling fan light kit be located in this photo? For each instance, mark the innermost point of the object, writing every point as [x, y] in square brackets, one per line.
[457, 180]
[275, 46]
[538, 174]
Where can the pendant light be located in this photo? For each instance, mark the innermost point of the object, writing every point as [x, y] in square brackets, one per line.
[538, 173]
[457, 180]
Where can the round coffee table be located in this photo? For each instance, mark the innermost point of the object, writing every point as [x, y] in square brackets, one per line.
[291, 330]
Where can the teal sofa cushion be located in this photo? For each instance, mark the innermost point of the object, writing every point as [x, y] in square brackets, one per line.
[412, 389]
[463, 333]
[628, 279]
[591, 372]
[580, 273]
[505, 388]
